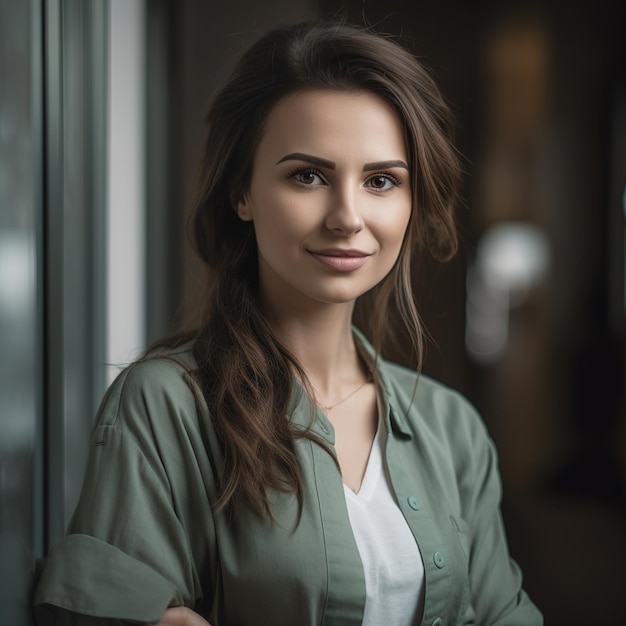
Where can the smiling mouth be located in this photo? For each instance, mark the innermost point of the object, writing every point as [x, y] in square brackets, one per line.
[341, 260]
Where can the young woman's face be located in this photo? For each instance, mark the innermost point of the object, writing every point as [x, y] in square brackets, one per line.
[330, 197]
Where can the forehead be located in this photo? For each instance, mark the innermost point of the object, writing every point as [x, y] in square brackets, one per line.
[334, 124]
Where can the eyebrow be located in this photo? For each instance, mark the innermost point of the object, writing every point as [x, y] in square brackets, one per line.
[308, 158]
[314, 160]
[385, 165]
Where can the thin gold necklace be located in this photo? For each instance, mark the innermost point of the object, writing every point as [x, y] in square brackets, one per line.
[329, 407]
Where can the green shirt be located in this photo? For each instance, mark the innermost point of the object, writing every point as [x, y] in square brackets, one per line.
[145, 535]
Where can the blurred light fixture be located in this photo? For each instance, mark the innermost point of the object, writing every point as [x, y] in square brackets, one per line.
[512, 258]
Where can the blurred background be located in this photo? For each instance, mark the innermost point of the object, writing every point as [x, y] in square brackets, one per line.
[101, 127]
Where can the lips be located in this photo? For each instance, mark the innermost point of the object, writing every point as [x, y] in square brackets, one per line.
[341, 260]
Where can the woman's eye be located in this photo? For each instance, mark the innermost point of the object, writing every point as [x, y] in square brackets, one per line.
[307, 177]
[382, 182]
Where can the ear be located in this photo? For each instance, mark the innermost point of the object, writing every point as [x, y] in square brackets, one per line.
[242, 206]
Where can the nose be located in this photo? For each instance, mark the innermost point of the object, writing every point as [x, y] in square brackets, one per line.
[343, 216]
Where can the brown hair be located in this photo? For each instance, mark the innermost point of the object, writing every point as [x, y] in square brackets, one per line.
[246, 373]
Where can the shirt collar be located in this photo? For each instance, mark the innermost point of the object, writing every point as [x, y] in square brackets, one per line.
[396, 420]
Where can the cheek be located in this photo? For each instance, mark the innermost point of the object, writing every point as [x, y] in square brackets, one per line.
[285, 216]
[278, 230]
[394, 230]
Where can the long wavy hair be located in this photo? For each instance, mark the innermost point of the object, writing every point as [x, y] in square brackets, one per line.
[245, 372]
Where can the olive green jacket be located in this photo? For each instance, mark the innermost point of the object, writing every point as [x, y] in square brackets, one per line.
[145, 535]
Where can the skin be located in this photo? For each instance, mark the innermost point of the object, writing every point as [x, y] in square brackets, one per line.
[330, 173]
[299, 204]
[182, 616]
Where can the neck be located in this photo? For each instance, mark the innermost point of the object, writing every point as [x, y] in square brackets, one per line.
[322, 342]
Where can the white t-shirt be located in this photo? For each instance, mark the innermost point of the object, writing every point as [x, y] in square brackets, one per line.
[394, 572]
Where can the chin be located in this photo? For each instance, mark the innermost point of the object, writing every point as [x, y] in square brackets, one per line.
[340, 297]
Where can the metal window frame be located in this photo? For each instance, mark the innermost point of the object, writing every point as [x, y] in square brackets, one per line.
[75, 84]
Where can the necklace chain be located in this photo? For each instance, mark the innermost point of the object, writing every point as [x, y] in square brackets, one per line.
[329, 407]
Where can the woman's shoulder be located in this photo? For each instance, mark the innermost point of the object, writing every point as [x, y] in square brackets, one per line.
[424, 402]
[409, 384]
[158, 386]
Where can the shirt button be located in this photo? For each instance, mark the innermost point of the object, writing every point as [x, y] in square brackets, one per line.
[414, 503]
[439, 560]
[437, 622]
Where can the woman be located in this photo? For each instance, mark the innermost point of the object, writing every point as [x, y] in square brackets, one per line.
[271, 467]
